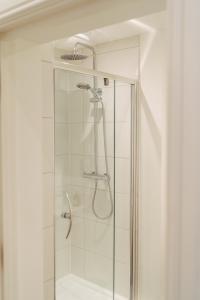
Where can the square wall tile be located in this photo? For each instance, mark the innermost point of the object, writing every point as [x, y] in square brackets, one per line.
[62, 139]
[77, 232]
[48, 90]
[90, 234]
[61, 263]
[48, 145]
[62, 171]
[61, 80]
[104, 237]
[76, 106]
[99, 270]
[109, 139]
[79, 165]
[77, 138]
[122, 245]
[78, 261]
[76, 195]
[122, 140]
[48, 199]
[48, 253]
[62, 112]
[122, 279]
[60, 233]
[122, 175]
[123, 103]
[122, 210]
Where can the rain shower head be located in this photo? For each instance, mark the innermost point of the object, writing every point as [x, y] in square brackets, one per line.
[73, 56]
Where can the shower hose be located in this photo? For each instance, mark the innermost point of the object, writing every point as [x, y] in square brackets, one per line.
[107, 180]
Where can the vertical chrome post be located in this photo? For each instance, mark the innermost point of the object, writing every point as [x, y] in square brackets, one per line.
[134, 195]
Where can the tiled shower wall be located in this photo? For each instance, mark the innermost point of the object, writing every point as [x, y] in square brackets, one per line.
[124, 61]
[48, 180]
[88, 253]
[119, 57]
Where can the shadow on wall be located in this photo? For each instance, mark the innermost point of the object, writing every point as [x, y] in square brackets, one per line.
[153, 128]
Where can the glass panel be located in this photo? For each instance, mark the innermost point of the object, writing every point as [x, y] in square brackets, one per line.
[122, 188]
[84, 187]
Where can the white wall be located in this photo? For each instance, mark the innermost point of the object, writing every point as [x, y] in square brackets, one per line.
[23, 226]
[21, 62]
[152, 207]
[8, 4]
[22, 191]
[183, 152]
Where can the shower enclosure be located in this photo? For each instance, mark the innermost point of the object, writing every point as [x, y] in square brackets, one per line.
[95, 185]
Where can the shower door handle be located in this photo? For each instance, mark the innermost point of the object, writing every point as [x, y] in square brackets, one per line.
[68, 215]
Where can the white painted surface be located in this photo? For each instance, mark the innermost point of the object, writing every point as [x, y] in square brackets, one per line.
[77, 20]
[22, 229]
[152, 208]
[184, 149]
[20, 60]
[9, 4]
[108, 35]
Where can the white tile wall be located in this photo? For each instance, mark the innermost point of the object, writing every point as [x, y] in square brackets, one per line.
[91, 240]
[122, 279]
[48, 94]
[99, 269]
[48, 180]
[78, 261]
[62, 109]
[48, 145]
[62, 139]
[89, 252]
[122, 204]
[48, 199]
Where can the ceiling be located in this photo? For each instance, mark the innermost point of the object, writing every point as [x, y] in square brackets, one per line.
[116, 31]
[18, 12]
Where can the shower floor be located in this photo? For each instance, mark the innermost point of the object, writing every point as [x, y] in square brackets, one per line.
[71, 287]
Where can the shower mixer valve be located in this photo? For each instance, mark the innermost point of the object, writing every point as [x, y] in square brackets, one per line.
[94, 176]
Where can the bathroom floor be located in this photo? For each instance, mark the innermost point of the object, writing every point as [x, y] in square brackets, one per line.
[72, 287]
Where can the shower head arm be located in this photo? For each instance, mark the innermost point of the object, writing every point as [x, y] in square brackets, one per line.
[88, 47]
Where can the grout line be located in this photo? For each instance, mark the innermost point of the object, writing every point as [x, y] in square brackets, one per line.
[87, 188]
[47, 226]
[89, 155]
[50, 279]
[84, 122]
[48, 117]
[99, 254]
[47, 172]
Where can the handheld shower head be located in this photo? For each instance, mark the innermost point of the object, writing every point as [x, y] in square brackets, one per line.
[95, 92]
[83, 86]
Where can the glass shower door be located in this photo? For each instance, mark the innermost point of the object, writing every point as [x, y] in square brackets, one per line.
[84, 186]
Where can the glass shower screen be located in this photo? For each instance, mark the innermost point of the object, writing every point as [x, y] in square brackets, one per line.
[92, 187]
